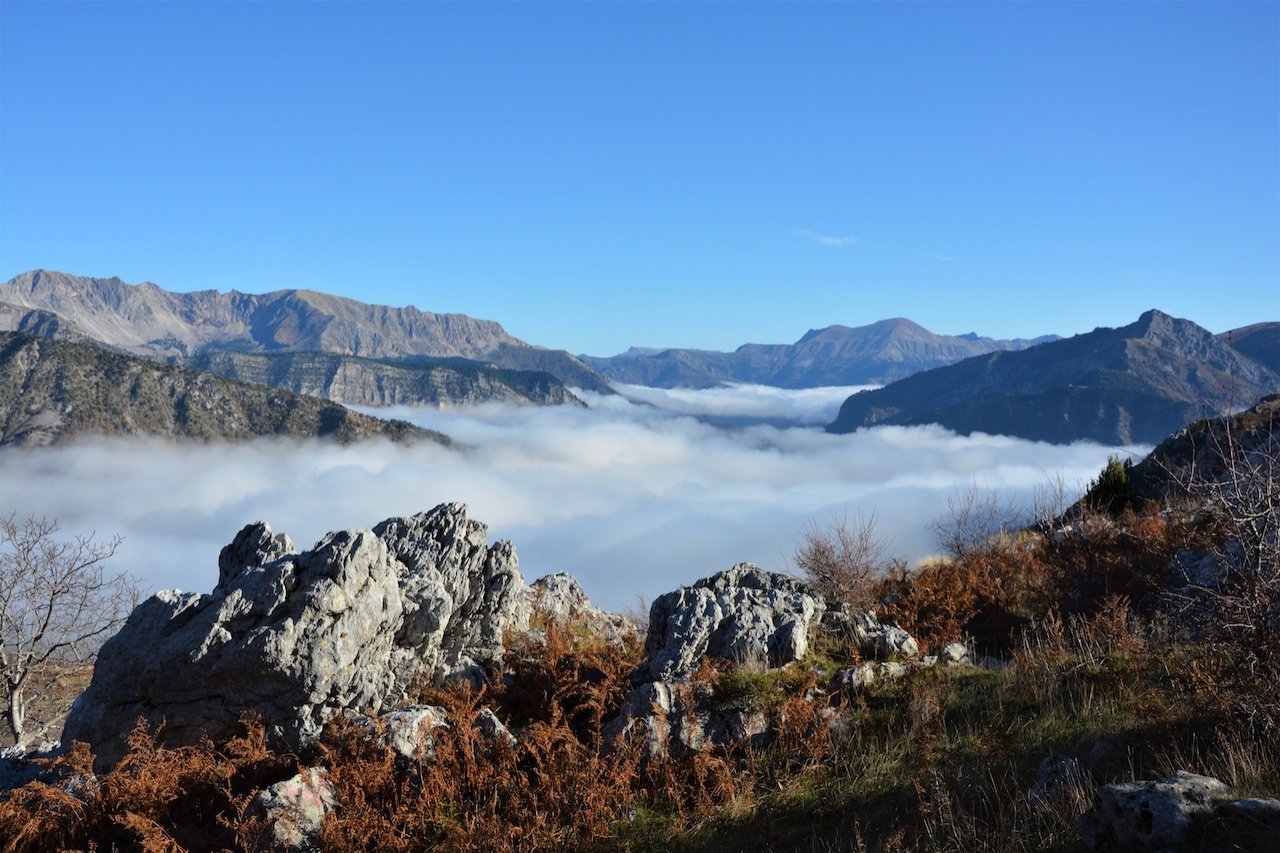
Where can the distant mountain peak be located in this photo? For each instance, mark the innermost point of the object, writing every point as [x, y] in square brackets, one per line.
[876, 353]
[146, 319]
[1154, 318]
[1136, 383]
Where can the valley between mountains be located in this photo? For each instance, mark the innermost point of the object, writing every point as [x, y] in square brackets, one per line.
[1131, 384]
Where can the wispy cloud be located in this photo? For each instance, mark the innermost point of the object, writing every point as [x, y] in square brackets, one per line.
[826, 239]
[632, 497]
[946, 259]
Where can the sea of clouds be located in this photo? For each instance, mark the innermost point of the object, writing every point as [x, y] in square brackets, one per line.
[635, 495]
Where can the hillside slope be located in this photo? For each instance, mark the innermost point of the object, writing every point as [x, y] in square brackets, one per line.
[1260, 341]
[1134, 384]
[53, 390]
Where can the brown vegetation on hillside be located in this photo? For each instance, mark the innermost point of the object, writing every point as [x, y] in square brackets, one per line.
[1107, 666]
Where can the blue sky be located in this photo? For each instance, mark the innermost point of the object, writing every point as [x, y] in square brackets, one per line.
[669, 174]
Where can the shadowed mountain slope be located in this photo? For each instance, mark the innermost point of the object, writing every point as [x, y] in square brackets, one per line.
[1260, 341]
[355, 381]
[1134, 384]
[53, 390]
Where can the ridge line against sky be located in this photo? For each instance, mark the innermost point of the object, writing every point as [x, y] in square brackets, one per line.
[598, 176]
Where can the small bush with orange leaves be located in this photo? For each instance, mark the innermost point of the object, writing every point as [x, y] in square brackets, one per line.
[985, 593]
[992, 590]
[1101, 557]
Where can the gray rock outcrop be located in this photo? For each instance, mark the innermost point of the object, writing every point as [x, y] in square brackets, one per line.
[296, 637]
[682, 718]
[861, 677]
[875, 639]
[1184, 812]
[744, 615]
[741, 615]
[560, 597]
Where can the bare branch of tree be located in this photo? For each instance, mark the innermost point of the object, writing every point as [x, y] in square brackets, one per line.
[844, 559]
[57, 603]
[974, 519]
[1233, 479]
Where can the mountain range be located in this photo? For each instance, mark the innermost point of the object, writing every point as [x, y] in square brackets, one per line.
[1117, 386]
[875, 354]
[52, 390]
[1134, 384]
[147, 320]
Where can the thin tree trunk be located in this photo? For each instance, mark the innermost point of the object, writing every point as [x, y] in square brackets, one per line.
[17, 712]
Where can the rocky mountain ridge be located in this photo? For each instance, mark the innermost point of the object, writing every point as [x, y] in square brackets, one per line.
[145, 319]
[1259, 341]
[354, 381]
[54, 390]
[1134, 384]
[836, 355]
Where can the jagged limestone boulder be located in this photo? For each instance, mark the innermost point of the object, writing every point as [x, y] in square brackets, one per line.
[296, 637]
[741, 615]
[745, 615]
[561, 597]
[875, 639]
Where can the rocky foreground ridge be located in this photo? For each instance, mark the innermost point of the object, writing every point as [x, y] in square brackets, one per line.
[350, 629]
[350, 625]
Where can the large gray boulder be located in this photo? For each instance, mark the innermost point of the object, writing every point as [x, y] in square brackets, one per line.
[1185, 812]
[296, 637]
[743, 615]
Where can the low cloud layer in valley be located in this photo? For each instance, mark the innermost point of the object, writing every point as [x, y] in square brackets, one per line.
[634, 498]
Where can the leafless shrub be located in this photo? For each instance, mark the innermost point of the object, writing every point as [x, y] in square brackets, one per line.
[57, 604]
[844, 560]
[1238, 611]
[974, 518]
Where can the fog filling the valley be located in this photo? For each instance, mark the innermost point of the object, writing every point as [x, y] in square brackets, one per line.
[632, 496]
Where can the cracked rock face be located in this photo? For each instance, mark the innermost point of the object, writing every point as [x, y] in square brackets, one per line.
[296, 637]
[561, 597]
[745, 614]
